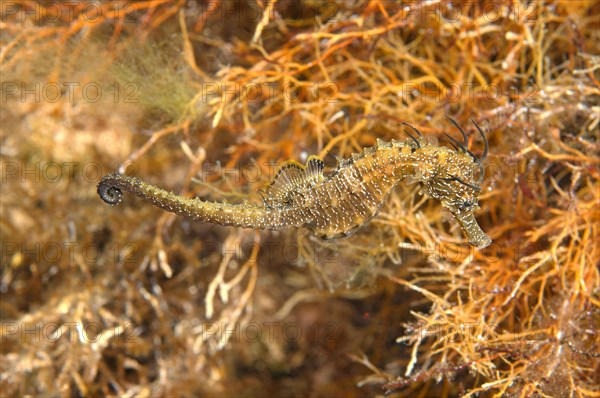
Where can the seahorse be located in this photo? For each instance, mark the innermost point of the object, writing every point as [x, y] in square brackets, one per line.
[337, 204]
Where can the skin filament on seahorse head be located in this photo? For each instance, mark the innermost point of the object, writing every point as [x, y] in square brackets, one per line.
[337, 204]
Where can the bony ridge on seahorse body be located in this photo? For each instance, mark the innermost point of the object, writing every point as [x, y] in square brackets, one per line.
[338, 204]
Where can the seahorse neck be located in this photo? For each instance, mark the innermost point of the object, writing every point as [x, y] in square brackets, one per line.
[393, 160]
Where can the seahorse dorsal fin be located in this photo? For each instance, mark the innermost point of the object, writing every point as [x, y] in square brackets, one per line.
[293, 178]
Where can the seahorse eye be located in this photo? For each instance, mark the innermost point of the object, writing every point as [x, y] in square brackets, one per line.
[466, 204]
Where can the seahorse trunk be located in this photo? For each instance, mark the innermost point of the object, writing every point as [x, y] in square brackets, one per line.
[354, 193]
[238, 215]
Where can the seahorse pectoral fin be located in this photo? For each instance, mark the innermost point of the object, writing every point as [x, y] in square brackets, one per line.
[474, 233]
[292, 178]
[314, 169]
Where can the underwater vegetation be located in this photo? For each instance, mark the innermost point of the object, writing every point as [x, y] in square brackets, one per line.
[254, 104]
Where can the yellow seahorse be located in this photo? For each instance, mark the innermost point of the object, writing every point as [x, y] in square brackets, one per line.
[337, 204]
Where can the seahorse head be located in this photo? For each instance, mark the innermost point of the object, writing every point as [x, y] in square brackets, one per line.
[454, 178]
